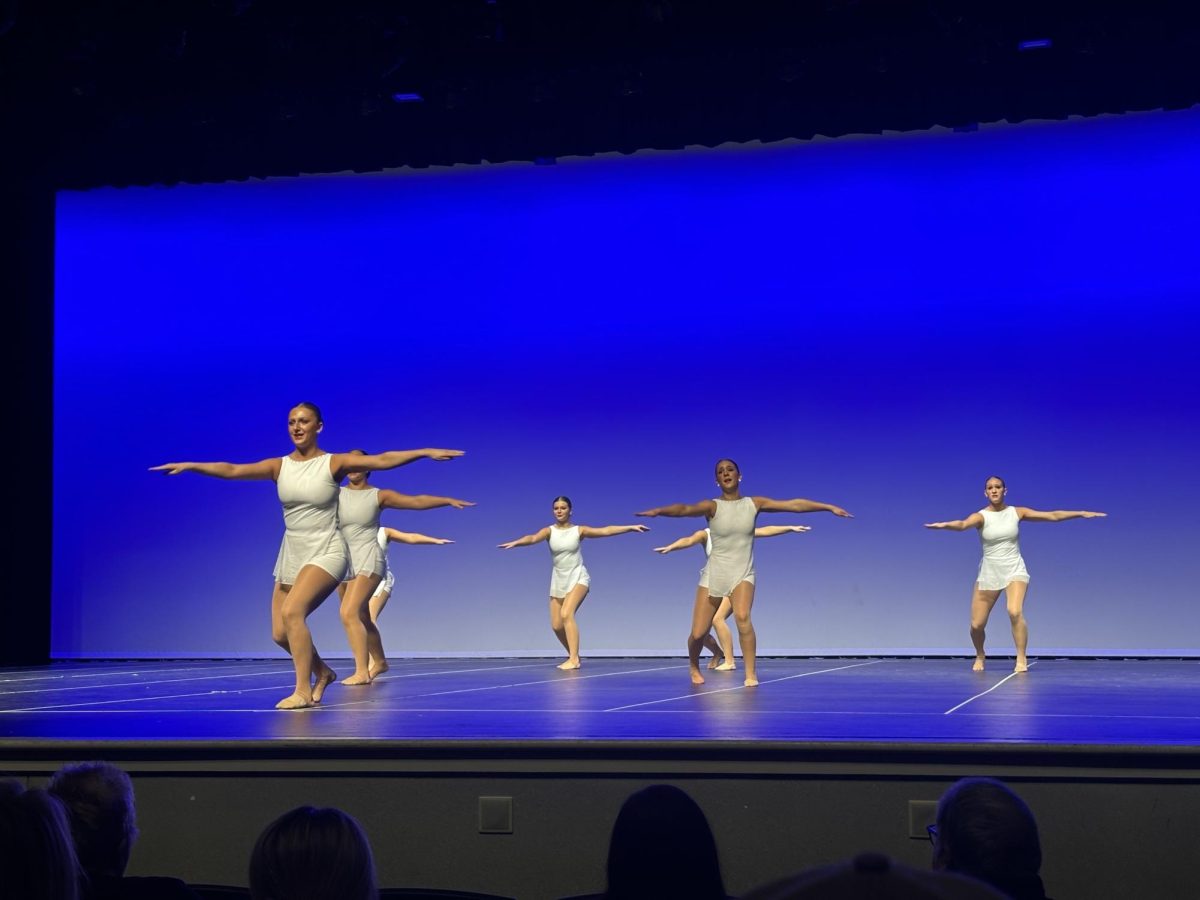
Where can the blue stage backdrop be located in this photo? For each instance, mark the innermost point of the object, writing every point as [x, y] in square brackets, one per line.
[877, 322]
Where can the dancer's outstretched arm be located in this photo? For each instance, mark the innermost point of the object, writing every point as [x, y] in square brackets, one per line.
[974, 520]
[1056, 515]
[264, 470]
[536, 538]
[411, 537]
[342, 464]
[696, 537]
[609, 530]
[394, 500]
[706, 508]
[776, 530]
[799, 505]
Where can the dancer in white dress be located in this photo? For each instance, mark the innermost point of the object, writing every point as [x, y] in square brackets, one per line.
[359, 506]
[731, 564]
[722, 644]
[1002, 568]
[569, 580]
[384, 592]
[313, 555]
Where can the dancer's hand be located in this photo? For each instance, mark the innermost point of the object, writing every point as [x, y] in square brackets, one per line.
[173, 468]
[1093, 515]
[838, 511]
[937, 524]
[459, 504]
[650, 513]
[641, 529]
[798, 528]
[510, 544]
[443, 455]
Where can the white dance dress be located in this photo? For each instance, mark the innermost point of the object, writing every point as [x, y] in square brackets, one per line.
[358, 515]
[731, 534]
[1002, 563]
[385, 586]
[568, 561]
[310, 518]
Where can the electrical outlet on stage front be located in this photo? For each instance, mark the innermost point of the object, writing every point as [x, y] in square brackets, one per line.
[495, 815]
[921, 813]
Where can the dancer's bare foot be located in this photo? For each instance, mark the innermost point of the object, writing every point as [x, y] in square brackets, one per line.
[1022, 665]
[378, 668]
[712, 662]
[728, 666]
[978, 666]
[751, 681]
[295, 701]
[356, 679]
[325, 678]
[697, 678]
[569, 664]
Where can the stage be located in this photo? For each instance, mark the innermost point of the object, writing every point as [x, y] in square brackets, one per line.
[825, 757]
[1149, 707]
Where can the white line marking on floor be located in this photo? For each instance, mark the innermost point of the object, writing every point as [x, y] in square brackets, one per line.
[561, 678]
[988, 691]
[121, 684]
[742, 687]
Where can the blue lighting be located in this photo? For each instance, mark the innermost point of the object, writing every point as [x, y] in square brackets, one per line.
[876, 322]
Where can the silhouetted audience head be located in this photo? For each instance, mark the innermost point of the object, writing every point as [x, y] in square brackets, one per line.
[99, 802]
[312, 854]
[873, 876]
[986, 831]
[662, 847]
[37, 861]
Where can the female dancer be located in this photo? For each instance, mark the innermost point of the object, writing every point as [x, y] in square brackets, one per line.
[569, 581]
[359, 506]
[1002, 568]
[722, 645]
[313, 554]
[731, 564]
[384, 592]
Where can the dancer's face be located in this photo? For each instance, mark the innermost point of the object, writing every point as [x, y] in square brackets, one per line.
[357, 478]
[728, 475]
[994, 490]
[303, 427]
[562, 512]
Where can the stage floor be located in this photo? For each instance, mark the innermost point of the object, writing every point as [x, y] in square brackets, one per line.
[1121, 705]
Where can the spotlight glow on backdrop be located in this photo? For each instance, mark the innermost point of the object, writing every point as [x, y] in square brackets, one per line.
[877, 322]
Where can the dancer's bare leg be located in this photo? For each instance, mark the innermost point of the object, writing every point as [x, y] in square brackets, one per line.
[981, 607]
[357, 622]
[702, 618]
[556, 622]
[312, 586]
[323, 673]
[721, 627]
[376, 664]
[1015, 595]
[711, 643]
[742, 599]
[570, 606]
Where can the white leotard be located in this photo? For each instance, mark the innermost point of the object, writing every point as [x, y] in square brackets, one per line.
[310, 502]
[385, 586]
[1001, 564]
[731, 536]
[568, 561]
[358, 516]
